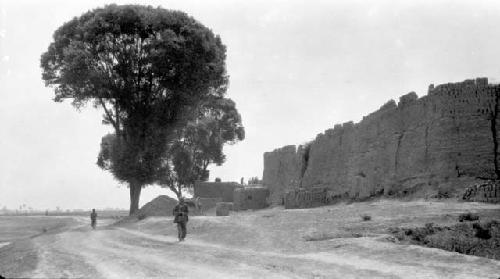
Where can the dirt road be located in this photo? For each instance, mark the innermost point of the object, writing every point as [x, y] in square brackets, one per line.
[125, 253]
[122, 253]
[254, 245]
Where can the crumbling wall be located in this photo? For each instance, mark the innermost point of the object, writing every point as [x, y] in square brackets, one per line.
[302, 198]
[488, 191]
[416, 144]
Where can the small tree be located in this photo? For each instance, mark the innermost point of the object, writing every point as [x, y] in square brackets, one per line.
[201, 143]
[149, 69]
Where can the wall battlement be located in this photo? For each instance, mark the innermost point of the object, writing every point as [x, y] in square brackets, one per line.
[446, 136]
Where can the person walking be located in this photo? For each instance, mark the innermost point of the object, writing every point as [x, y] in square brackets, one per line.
[199, 205]
[181, 218]
[93, 219]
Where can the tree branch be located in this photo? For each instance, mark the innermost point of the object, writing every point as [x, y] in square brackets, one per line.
[114, 122]
[205, 164]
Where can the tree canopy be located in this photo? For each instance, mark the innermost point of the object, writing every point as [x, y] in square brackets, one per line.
[149, 69]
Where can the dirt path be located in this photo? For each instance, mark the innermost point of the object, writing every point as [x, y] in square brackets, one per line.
[134, 253]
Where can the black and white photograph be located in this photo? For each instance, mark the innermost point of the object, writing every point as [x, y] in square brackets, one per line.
[258, 139]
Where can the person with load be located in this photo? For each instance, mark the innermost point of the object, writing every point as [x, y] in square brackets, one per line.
[181, 218]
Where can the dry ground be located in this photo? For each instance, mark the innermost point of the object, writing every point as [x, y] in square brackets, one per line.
[327, 242]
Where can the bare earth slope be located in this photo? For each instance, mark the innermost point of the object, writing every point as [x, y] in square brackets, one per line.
[328, 242]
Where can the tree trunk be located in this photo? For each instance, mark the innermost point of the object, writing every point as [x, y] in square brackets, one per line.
[135, 194]
[179, 193]
[176, 192]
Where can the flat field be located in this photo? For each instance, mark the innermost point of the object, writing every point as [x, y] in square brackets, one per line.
[20, 227]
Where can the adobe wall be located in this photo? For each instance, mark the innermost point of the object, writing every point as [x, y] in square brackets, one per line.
[223, 190]
[250, 198]
[448, 136]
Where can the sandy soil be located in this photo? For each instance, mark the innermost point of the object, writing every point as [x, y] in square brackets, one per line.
[327, 242]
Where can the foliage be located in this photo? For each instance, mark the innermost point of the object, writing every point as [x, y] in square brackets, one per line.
[201, 143]
[149, 69]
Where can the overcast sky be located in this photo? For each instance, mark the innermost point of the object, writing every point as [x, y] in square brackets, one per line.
[297, 68]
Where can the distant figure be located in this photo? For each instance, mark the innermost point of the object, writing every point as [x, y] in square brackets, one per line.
[93, 219]
[242, 182]
[198, 205]
[181, 218]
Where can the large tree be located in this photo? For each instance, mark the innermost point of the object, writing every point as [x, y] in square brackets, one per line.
[149, 69]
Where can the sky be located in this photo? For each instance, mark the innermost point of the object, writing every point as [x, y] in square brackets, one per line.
[296, 69]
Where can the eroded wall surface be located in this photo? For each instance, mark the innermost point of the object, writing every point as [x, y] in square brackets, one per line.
[448, 136]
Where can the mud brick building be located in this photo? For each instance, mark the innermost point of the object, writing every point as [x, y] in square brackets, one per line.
[216, 190]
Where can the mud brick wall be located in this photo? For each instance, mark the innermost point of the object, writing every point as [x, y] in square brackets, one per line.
[483, 192]
[250, 198]
[222, 190]
[450, 136]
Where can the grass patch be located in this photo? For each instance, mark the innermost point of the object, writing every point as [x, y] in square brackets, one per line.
[366, 217]
[471, 238]
[468, 217]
